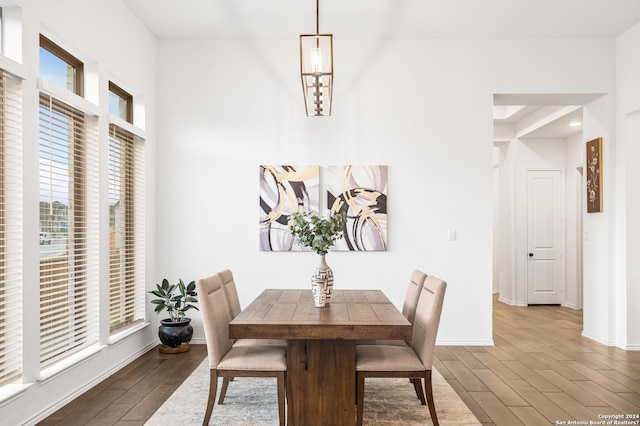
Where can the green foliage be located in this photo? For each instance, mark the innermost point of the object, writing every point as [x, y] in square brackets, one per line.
[316, 232]
[175, 304]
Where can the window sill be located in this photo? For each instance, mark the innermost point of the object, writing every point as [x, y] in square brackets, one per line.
[119, 337]
[72, 361]
[11, 392]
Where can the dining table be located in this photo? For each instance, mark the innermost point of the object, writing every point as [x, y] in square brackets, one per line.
[321, 345]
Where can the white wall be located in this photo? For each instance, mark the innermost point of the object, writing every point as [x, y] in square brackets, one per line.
[628, 174]
[574, 189]
[423, 107]
[115, 46]
[599, 239]
[503, 230]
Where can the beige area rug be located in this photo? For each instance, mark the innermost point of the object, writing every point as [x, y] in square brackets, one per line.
[253, 401]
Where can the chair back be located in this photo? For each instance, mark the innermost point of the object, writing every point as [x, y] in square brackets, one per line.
[413, 294]
[427, 320]
[215, 318]
[230, 293]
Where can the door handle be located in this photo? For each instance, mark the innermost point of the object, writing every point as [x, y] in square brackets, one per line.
[530, 254]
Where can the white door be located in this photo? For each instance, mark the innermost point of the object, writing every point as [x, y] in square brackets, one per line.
[544, 237]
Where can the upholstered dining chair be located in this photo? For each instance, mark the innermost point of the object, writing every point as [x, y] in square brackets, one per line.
[226, 360]
[415, 361]
[410, 303]
[230, 291]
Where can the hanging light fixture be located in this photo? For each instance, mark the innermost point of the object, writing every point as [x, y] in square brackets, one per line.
[316, 70]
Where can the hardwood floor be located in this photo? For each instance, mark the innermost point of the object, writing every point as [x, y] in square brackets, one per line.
[540, 371]
[133, 394]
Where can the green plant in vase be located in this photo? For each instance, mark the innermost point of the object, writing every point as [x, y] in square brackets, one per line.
[319, 234]
[176, 331]
[316, 232]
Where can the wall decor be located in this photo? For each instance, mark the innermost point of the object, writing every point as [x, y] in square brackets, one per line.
[594, 176]
[361, 192]
[284, 190]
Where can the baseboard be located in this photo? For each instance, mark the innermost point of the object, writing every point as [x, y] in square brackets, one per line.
[509, 302]
[597, 339]
[465, 343]
[570, 306]
[634, 347]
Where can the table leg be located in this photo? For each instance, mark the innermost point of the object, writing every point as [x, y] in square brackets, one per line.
[321, 382]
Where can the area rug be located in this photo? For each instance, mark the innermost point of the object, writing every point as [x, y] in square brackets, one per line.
[253, 402]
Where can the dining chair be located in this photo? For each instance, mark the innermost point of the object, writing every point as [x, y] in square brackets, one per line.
[413, 362]
[230, 291]
[409, 305]
[227, 360]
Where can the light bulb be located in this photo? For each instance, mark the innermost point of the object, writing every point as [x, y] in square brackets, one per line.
[316, 60]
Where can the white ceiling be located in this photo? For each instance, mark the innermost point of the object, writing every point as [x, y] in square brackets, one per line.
[405, 18]
[541, 115]
[387, 18]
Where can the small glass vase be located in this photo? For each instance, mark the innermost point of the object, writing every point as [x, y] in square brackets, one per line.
[322, 283]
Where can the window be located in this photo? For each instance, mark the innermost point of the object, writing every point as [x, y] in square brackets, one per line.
[10, 230]
[61, 67]
[126, 229]
[68, 219]
[120, 103]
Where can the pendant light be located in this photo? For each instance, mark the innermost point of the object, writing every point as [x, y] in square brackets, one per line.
[316, 70]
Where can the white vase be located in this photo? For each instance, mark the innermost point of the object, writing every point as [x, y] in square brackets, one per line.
[322, 283]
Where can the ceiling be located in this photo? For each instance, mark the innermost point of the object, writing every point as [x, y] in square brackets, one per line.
[555, 116]
[387, 18]
[408, 18]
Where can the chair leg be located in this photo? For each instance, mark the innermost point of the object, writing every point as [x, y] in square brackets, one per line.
[430, 401]
[360, 398]
[213, 387]
[417, 385]
[281, 392]
[223, 389]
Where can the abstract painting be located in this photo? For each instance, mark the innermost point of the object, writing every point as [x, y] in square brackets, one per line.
[594, 176]
[284, 190]
[360, 192]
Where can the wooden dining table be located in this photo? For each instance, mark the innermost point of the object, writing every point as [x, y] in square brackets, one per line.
[321, 345]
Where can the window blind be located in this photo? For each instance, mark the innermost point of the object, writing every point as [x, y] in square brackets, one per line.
[11, 347]
[69, 316]
[126, 229]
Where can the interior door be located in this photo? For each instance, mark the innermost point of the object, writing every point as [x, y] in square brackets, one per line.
[544, 237]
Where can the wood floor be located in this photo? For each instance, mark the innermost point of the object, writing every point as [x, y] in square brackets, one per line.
[133, 394]
[540, 372]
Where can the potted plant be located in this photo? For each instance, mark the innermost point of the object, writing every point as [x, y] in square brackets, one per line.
[319, 234]
[176, 331]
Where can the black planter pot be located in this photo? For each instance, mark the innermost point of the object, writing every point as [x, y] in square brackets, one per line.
[174, 334]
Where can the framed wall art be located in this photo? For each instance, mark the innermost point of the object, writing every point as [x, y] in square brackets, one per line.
[594, 176]
[284, 190]
[360, 192]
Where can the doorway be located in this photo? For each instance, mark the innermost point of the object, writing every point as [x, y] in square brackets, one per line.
[535, 134]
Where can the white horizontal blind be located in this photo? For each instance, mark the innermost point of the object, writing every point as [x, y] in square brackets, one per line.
[11, 346]
[126, 229]
[69, 223]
